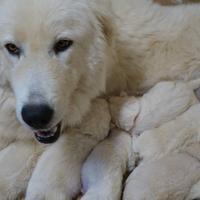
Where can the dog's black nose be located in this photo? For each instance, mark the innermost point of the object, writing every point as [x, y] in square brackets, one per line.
[37, 116]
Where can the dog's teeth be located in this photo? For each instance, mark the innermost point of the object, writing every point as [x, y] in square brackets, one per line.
[52, 134]
[48, 133]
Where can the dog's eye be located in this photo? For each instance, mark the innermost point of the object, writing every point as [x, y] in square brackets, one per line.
[62, 45]
[13, 49]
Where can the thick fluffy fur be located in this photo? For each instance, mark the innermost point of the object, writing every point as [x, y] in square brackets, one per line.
[117, 45]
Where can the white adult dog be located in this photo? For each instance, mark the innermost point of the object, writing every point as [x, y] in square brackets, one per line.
[58, 55]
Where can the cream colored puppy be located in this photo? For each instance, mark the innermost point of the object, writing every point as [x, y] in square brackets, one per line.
[169, 178]
[103, 171]
[164, 102]
[174, 136]
[170, 160]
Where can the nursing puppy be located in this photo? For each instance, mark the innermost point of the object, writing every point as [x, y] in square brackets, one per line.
[58, 55]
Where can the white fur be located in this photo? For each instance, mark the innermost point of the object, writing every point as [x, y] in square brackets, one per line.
[117, 45]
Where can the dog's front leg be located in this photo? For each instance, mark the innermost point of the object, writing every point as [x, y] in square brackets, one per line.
[17, 162]
[102, 173]
[57, 174]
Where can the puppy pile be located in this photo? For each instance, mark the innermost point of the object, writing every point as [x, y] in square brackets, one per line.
[164, 125]
[155, 137]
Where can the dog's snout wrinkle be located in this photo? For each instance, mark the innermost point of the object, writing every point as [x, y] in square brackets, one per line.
[37, 116]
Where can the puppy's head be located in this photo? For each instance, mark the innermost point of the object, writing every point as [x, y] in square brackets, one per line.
[53, 58]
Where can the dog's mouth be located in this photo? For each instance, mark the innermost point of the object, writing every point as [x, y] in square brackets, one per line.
[48, 136]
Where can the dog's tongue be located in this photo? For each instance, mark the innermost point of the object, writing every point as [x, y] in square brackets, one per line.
[43, 133]
[47, 133]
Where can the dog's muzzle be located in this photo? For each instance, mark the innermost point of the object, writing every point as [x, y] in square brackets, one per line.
[39, 118]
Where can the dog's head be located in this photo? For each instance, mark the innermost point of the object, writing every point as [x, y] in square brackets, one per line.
[53, 59]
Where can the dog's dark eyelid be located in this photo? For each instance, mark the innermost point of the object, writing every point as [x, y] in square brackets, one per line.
[62, 45]
[13, 49]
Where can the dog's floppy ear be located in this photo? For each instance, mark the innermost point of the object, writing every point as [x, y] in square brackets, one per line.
[107, 27]
[103, 12]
